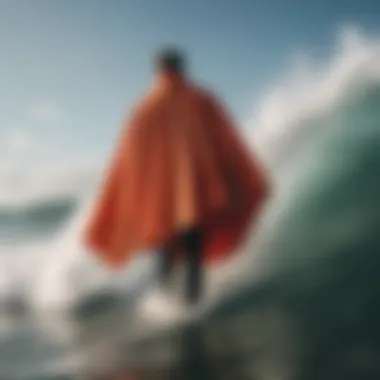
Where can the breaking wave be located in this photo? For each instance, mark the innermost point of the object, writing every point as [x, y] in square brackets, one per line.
[40, 254]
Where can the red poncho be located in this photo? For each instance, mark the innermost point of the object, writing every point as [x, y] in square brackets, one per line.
[180, 163]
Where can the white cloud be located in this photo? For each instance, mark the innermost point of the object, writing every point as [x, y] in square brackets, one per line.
[47, 112]
[52, 180]
[18, 141]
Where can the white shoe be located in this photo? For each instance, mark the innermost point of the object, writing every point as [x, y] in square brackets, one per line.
[159, 308]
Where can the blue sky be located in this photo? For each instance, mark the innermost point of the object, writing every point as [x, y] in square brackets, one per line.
[70, 69]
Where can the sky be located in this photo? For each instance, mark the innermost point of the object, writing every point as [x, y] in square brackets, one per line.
[71, 69]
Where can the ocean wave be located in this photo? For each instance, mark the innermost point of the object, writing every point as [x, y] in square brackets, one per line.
[291, 121]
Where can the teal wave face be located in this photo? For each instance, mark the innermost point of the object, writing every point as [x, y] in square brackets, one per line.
[318, 312]
[35, 221]
[335, 201]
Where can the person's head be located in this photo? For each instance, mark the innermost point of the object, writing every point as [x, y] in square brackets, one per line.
[170, 60]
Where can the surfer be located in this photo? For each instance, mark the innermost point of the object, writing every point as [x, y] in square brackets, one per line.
[181, 180]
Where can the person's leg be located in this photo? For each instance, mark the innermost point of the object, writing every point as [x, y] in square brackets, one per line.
[193, 246]
[165, 264]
